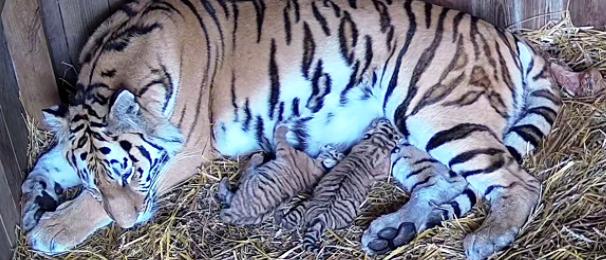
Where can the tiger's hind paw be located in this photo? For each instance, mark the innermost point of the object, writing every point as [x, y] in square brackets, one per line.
[382, 240]
[486, 241]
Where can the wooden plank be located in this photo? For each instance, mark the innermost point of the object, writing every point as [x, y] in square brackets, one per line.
[13, 148]
[12, 172]
[461, 5]
[66, 73]
[5, 244]
[80, 19]
[30, 57]
[588, 12]
[9, 213]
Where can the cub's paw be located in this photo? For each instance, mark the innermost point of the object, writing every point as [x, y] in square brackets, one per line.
[330, 156]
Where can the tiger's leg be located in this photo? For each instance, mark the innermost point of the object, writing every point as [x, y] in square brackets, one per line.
[49, 223]
[431, 184]
[476, 152]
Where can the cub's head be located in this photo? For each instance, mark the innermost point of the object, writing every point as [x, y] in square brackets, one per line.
[117, 147]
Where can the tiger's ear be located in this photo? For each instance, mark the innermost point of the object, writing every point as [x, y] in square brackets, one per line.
[55, 119]
[123, 105]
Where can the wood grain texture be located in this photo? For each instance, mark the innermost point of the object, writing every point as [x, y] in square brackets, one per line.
[30, 56]
[13, 136]
[9, 216]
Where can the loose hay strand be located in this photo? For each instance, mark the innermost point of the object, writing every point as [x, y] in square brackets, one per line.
[570, 222]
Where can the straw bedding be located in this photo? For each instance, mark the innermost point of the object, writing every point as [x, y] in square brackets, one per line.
[570, 222]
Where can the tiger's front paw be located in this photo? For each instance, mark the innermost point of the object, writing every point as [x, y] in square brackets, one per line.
[69, 225]
[39, 196]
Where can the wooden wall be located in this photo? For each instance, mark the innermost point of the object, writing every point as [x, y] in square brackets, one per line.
[531, 13]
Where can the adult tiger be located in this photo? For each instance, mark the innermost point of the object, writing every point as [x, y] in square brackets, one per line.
[167, 85]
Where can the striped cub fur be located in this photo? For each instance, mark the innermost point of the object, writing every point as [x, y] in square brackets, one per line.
[264, 186]
[336, 200]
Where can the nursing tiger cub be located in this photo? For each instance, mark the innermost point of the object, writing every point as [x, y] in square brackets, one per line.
[167, 85]
[264, 186]
[336, 200]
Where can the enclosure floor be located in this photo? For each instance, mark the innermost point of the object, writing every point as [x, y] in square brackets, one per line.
[570, 222]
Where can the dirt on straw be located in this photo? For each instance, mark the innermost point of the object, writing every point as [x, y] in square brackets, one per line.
[570, 222]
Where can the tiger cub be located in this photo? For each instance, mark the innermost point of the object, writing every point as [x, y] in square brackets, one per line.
[264, 186]
[336, 199]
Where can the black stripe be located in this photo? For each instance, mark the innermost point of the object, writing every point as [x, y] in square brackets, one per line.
[491, 188]
[426, 180]
[417, 171]
[234, 103]
[346, 52]
[368, 54]
[236, 12]
[350, 84]
[211, 11]
[274, 78]
[456, 208]
[297, 12]
[247, 116]
[497, 164]
[287, 24]
[544, 93]
[295, 107]
[455, 25]
[466, 156]
[426, 160]
[108, 73]
[334, 6]
[546, 112]
[120, 41]
[457, 132]
[223, 5]
[471, 196]
[514, 153]
[321, 85]
[168, 86]
[420, 67]
[321, 19]
[473, 32]
[412, 27]
[281, 111]
[428, 7]
[260, 11]
[506, 76]
[529, 133]
[384, 18]
[352, 4]
[309, 49]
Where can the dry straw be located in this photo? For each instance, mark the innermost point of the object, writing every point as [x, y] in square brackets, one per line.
[570, 222]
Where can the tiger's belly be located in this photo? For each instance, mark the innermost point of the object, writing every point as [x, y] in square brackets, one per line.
[335, 124]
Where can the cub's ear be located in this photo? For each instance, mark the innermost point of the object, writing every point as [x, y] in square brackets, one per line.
[123, 106]
[55, 118]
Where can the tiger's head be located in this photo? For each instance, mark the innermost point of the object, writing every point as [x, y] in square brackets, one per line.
[117, 147]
